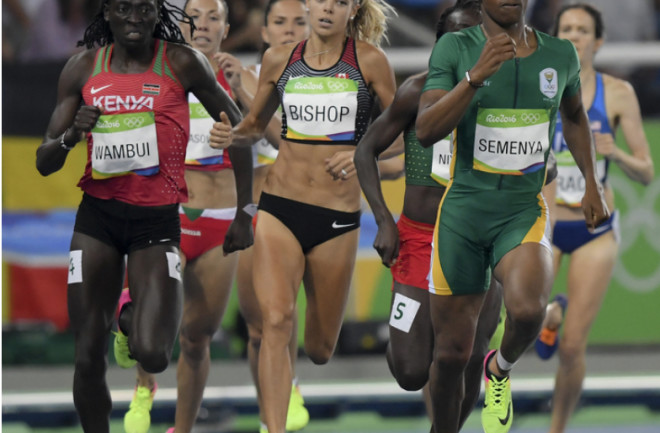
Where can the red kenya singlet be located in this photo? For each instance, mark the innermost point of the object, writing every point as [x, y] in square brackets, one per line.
[136, 151]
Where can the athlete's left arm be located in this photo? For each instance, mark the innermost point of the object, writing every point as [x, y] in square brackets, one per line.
[578, 138]
[196, 75]
[621, 101]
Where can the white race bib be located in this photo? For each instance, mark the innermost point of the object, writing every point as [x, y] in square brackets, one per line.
[320, 108]
[198, 151]
[571, 185]
[404, 310]
[441, 166]
[266, 152]
[125, 144]
[511, 141]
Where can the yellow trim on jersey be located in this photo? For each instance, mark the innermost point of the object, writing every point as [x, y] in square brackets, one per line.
[438, 284]
[537, 231]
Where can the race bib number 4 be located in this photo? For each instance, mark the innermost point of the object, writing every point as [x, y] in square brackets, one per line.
[511, 141]
[125, 144]
[320, 108]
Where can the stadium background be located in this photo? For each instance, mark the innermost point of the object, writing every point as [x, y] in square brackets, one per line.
[37, 220]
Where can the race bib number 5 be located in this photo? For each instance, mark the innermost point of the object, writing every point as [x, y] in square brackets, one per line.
[511, 141]
[124, 144]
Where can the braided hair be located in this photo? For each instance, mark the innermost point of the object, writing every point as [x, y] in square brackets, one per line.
[99, 33]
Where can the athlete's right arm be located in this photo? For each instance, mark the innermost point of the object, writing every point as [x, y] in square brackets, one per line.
[440, 110]
[265, 101]
[244, 82]
[579, 140]
[381, 133]
[69, 120]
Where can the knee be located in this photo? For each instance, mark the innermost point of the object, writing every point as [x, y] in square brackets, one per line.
[528, 316]
[453, 359]
[154, 361]
[194, 345]
[319, 350]
[410, 374]
[571, 350]
[90, 359]
[412, 377]
[278, 324]
[154, 357]
[90, 367]
[277, 328]
[254, 337]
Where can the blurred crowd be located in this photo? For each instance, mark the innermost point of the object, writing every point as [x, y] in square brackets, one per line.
[48, 30]
[38, 31]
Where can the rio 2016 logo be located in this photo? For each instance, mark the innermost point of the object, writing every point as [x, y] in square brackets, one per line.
[640, 221]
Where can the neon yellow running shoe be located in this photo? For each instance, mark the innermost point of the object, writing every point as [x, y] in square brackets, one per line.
[297, 417]
[138, 417]
[497, 414]
[122, 352]
[120, 346]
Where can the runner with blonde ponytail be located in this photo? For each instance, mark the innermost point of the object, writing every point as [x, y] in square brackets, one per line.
[310, 204]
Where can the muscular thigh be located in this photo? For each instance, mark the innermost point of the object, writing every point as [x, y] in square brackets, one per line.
[526, 275]
[95, 280]
[155, 282]
[327, 279]
[589, 276]
[411, 331]
[207, 284]
[278, 264]
[459, 264]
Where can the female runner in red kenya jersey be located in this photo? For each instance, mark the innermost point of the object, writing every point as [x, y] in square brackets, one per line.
[129, 99]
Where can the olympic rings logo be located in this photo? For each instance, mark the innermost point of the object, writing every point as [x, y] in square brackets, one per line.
[530, 118]
[133, 122]
[337, 86]
[641, 220]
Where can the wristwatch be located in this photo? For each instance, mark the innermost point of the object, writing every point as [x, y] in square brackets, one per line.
[63, 145]
[472, 83]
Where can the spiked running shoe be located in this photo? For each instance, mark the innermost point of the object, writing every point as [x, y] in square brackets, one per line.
[120, 346]
[138, 417]
[497, 414]
[548, 340]
[297, 417]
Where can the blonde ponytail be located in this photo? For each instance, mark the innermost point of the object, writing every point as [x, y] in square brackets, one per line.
[370, 21]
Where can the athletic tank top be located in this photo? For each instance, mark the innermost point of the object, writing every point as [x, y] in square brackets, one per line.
[199, 155]
[136, 150]
[570, 182]
[426, 166]
[330, 106]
